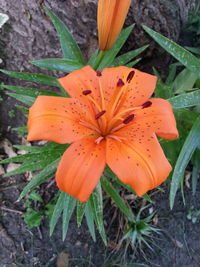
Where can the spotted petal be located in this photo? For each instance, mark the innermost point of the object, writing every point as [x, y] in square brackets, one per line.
[81, 167]
[142, 165]
[57, 119]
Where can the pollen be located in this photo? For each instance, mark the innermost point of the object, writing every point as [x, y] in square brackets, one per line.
[129, 119]
[86, 92]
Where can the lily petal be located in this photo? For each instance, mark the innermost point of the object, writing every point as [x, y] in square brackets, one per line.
[140, 87]
[57, 119]
[81, 167]
[157, 118]
[79, 81]
[142, 166]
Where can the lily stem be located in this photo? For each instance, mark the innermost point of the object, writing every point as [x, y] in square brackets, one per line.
[99, 59]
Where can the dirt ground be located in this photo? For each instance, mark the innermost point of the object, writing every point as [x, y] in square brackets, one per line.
[178, 243]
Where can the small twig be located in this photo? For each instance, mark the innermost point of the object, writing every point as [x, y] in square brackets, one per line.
[11, 210]
[51, 183]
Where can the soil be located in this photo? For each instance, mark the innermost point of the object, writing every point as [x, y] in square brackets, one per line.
[27, 36]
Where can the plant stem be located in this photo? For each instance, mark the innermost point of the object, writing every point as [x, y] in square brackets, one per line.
[99, 59]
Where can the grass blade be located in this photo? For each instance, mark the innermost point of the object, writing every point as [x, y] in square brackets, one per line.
[80, 210]
[90, 220]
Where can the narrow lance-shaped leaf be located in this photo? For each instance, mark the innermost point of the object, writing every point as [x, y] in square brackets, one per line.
[127, 57]
[25, 99]
[33, 92]
[59, 64]
[69, 46]
[111, 54]
[185, 100]
[181, 54]
[45, 174]
[68, 208]
[111, 191]
[57, 211]
[184, 80]
[80, 210]
[96, 202]
[33, 77]
[191, 143]
[90, 220]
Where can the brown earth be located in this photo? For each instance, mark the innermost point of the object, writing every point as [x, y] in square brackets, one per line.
[29, 35]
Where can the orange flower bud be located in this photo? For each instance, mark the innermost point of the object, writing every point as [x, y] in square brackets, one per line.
[110, 20]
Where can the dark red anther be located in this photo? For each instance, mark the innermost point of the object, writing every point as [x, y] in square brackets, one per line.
[129, 119]
[98, 73]
[147, 104]
[130, 76]
[86, 92]
[98, 115]
[120, 83]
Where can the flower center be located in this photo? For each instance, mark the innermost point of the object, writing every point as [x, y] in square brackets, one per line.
[111, 117]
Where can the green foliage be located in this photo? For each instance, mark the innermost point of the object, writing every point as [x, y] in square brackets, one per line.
[181, 54]
[69, 46]
[58, 64]
[110, 55]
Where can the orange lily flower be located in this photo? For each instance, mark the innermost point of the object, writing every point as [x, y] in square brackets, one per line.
[110, 118]
[110, 20]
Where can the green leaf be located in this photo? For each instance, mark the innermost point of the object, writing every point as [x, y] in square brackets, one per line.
[21, 131]
[33, 92]
[35, 196]
[68, 208]
[127, 57]
[181, 54]
[50, 146]
[33, 77]
[27, 100]
[33, 166]
[195, 170]
[191, 143]
[59, 64]
[92, 61]
[172, 73]
[80, 210]
[111, 54]
[96, 202]
[185, 100]
[32, 218]
[195, 50]
[57, 211]
[41, 177]
[111, 191]
[69, 46]
[184, 80]
[133, 63]
[90, 220]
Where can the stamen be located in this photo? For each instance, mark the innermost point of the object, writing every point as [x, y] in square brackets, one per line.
[129, 119]
[130, 76]
[120, 83]
[115, 137]
[99, 139]
[98, 115]
[89, 125]
[98, 73]
[86, 92]
[147, 104]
